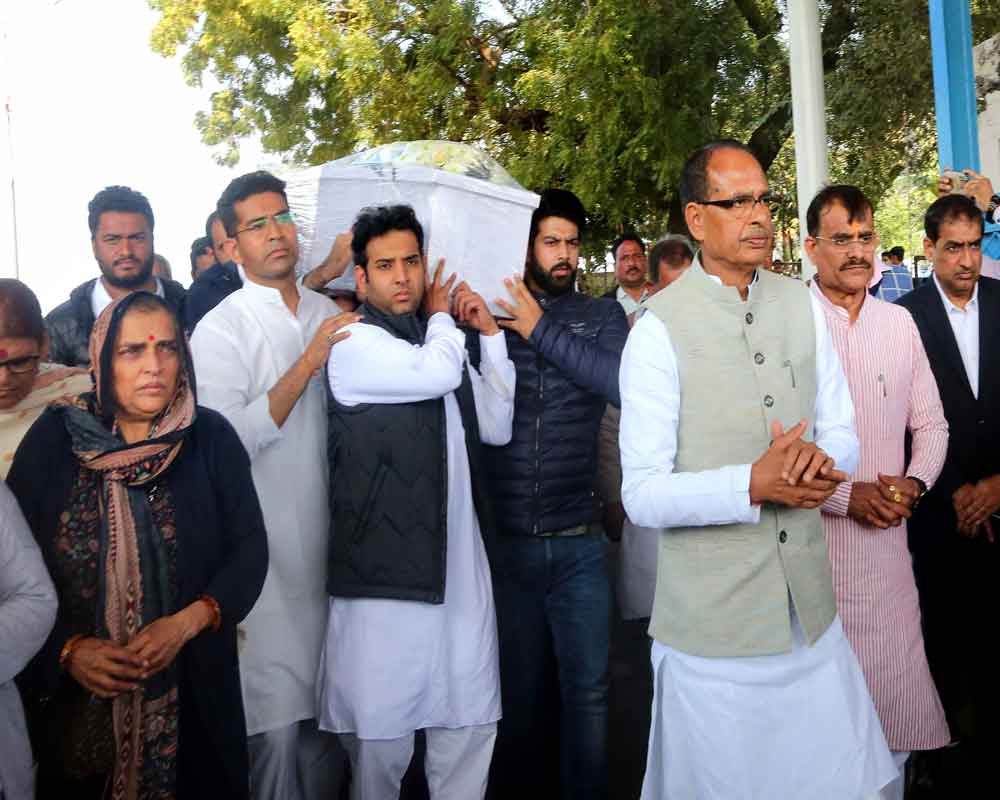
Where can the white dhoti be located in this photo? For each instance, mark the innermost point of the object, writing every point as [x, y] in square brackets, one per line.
[794, 726]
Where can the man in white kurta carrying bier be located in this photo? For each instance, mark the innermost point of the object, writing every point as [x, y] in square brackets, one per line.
[893, 390]
[736, 426]
[259, 358]
[412, 639]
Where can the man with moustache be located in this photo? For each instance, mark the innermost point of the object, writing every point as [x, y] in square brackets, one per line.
[952, 532]
[736, 426]
[865, 520]
[629, 253]
[259, 358]
[550, 572]
[121, 235]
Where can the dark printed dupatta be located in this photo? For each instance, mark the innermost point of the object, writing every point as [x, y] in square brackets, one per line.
[134, 586]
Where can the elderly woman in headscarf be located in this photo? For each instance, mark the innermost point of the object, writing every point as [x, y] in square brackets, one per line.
[27, 383]
[145, 511]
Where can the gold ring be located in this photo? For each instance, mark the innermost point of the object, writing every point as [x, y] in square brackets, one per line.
[893, 489]
[898, 497]
[329, 337]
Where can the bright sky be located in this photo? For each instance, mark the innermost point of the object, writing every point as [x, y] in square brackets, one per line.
[94, 106]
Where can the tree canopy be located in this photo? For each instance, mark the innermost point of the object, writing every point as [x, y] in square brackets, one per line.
[604, 97]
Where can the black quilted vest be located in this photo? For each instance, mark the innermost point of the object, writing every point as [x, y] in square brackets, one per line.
[388, 488]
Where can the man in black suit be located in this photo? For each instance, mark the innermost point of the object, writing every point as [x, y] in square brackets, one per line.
[952, 531]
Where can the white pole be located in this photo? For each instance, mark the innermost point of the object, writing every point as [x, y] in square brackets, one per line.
[808, 109]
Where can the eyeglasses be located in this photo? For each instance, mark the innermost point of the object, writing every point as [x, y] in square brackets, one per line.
[844, 243]
[19, 366]
[260, 224]
[742, 206]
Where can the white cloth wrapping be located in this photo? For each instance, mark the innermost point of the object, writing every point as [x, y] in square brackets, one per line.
[241, 348]
[391, 667]
[797, 725]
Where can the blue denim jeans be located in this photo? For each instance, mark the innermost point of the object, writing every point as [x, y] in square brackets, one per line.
[554, 617]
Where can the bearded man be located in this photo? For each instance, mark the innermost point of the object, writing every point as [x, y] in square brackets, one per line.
[121, 234]
[551, 580]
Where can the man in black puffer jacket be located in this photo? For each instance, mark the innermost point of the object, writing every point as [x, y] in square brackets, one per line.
[550, 576]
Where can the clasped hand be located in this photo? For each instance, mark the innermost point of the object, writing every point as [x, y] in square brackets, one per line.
[107, 669]
[974, 504]
[464, 304]
[793, 472]
[884, 504]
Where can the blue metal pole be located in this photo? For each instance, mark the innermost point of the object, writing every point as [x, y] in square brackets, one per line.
[954, 84]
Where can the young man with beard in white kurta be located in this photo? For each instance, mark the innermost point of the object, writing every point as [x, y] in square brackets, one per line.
[412, 643]
[259, 357]
[737, 424]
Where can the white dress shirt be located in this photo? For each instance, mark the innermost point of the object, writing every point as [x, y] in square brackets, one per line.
[241, 348]
[656, 496]
[100, 299]
[391, 667]
[965, 324]
[629, 303]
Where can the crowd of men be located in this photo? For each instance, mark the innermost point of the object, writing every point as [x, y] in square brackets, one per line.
[798, 482]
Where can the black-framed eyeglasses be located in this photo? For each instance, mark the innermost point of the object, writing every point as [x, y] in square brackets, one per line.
[258, 225]
[743, 205]
[20, 366]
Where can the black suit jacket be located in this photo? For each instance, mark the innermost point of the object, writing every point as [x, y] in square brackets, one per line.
[973, 423]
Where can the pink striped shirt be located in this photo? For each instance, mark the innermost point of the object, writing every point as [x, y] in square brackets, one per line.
[893, 389]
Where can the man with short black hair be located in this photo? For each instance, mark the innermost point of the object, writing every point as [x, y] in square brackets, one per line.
[202, 256]
[412, 643]
[953, 530]
[629, 254]
[668, 259]
[553, 594]
[226, 276]
[218, 281]
[259, 357]
[865, 520]
[121, 235]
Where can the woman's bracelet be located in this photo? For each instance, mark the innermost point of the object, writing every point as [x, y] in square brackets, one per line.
[67, 650]
[216, 611]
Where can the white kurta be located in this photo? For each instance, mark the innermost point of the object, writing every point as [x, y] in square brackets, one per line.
[797, 725]
[241, 349]
[391, 667]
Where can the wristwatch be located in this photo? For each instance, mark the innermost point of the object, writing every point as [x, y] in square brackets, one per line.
[921, 486]
[993, 206]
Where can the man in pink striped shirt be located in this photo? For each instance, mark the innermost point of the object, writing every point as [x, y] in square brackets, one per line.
[893, 390]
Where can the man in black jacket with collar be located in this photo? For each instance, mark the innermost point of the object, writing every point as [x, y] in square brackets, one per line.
[121, 234]
[553, 595]
[952, 531]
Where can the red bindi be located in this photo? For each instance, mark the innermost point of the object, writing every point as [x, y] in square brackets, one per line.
[152, 338]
